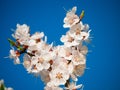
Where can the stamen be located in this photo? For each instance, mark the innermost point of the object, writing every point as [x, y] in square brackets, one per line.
[59, 75]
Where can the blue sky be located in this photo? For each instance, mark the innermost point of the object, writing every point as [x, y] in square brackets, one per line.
[47, 16]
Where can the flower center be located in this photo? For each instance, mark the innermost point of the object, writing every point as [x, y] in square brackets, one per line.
[77, 59]
[68, 53]
[77, 31]
[35, 67]
[71, 21]
[70, 39]
[59, 75]
[40, 60]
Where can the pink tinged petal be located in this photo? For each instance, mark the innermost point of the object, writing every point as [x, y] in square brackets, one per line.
[17, 61]
[74, 9]
[86, 27]
[66, 25]
[66, 76]
[74, 77]
[46, 65]
[39, 66]
[26, 63]
[34, 71]
[78, 86]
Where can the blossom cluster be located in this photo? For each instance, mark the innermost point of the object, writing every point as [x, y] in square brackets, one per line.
[57, 65]
[2, 86]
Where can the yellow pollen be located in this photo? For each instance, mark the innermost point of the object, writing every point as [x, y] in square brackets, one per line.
[70, 39]
[71, 21]
[34, 67]
[77, 31]
[40, 60]
[77, 59]
[59, 75]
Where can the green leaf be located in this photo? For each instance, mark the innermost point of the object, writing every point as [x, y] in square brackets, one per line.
[82, 14]
[19, 48]
[12, 43]
[2, 87]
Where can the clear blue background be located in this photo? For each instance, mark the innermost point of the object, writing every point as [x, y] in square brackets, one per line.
[103, 16]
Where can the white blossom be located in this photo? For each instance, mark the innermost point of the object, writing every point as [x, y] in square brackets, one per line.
[35, 47]
[52, 88]
[64, 52]
[44, 74]
[77, 28]
[58, 76]
[71, 18]
[22, 33]
[60, 72]
[38, 63]
[85, 35]
[37, 35]
[27, 61]
[73, 86]
[69, 41]
[79, 32]
[82, 49]
[79, 70]
[78, 58]
[15, 55]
